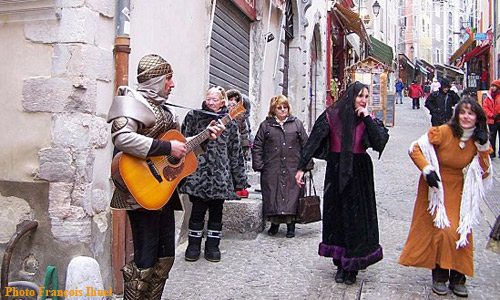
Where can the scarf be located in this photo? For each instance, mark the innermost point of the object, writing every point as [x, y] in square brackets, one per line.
[473, 192]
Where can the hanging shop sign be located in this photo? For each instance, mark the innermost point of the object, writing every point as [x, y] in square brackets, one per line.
[480, 36]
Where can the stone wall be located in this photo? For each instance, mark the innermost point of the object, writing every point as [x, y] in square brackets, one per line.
[62, 191]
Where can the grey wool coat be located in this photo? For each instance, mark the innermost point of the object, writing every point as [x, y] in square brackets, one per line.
[221, 170]
[276, 154]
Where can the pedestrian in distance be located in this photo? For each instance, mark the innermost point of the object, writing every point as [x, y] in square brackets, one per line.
[234, 97]
[341, 135]
[447, 204]
[491, 106]
[415, 93]
[435, 85]
[399, 91]
[454, 87]
[427, 89]
[441, 103]
[275, 154]
[483, 79]
[138, 117]
[220, 173]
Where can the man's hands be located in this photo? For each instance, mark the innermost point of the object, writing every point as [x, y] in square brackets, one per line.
[216, 129]
[496, 118]
[177, 149]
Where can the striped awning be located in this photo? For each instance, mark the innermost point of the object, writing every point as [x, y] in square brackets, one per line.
[351, 21]
[461, 51]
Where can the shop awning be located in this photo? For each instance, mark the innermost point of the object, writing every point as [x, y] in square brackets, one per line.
[478, 51]
[381, 51]
[462, 49]
[351, 21]
[406, 60]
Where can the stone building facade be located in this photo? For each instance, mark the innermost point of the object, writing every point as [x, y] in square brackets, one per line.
[57, 78]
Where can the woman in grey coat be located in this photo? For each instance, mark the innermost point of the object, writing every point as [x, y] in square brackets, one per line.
[276, 154]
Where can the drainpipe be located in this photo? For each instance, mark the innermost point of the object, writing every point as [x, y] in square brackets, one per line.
[119, 217]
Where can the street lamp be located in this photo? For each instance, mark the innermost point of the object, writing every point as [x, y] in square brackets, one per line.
[376, 8]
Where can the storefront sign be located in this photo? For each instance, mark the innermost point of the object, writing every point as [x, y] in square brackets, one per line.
[480, 36]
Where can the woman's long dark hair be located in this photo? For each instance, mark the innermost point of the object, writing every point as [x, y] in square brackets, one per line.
[344, 109]
[476, 108]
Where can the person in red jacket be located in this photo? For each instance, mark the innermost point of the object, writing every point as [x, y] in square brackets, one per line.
[491, 107]
[415, 93]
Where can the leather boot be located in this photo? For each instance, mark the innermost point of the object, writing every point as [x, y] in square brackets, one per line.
[160, 276]
[136, 281]
[194, 241]
[340, 275]
[212, 252]
[290, 230]
[457, 284]
[350, 277]
[273, 229]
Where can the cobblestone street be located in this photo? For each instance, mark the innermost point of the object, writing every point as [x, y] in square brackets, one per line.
[281, 268]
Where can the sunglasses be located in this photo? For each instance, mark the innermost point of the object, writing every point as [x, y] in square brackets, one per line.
[281, 107]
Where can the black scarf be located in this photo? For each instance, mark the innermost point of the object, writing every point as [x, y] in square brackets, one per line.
[344, 110]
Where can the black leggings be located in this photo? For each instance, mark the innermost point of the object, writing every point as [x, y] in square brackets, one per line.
[200, 207]
[154, 235]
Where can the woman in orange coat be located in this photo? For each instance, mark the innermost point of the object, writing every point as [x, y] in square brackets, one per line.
[447, 203]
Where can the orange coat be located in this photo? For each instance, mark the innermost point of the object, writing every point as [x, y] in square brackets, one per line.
[428, 246]
[491, 108]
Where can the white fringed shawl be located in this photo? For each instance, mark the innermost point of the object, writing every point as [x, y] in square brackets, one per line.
[474, 190]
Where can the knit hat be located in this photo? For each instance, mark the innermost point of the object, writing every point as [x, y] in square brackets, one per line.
[445, 83]
[496, 83]
[151, 66]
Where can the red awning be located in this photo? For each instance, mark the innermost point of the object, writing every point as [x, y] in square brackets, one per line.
[478, 51]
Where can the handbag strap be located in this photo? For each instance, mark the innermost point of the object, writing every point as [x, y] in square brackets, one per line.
[311, 183]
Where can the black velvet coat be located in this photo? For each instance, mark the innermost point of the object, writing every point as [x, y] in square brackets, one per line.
[350, 226]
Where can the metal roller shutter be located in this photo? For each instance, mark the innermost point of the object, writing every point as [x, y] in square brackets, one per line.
[230, 48]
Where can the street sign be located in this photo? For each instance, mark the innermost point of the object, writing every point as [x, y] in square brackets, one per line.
[480, 36]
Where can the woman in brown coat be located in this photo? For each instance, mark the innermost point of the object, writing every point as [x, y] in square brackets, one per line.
[276, 154]
[440, 236]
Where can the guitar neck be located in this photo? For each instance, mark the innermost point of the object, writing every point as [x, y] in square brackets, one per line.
[204, 135]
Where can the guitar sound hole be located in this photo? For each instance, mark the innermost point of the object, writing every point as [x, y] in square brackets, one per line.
[173, 160]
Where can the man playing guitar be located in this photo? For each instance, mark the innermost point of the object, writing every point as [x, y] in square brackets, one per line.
[138, 117]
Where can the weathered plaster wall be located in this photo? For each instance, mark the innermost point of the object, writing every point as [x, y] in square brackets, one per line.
[178, 31]
[23, 133]
[58, 76]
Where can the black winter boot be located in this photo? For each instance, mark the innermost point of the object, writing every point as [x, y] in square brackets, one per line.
[457, 284]
[194, 238]
[212, 252]
[290, 230]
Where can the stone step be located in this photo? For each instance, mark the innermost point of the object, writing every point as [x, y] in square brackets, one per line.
[243, 219]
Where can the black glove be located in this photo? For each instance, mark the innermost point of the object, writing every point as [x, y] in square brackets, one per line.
[432, 179]
[481, 135]
[496, 118]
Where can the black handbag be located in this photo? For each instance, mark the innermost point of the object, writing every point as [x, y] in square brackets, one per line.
[309, 207]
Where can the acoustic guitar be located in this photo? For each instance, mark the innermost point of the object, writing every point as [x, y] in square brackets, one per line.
[152, 181]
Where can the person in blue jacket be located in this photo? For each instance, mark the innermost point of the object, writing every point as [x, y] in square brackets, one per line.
[399, 91]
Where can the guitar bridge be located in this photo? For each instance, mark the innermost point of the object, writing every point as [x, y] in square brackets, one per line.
[154, 171]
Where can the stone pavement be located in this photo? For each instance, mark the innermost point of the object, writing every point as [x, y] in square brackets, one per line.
[281, 268]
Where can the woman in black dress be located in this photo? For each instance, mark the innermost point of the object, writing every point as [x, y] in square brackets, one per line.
[341, 135]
